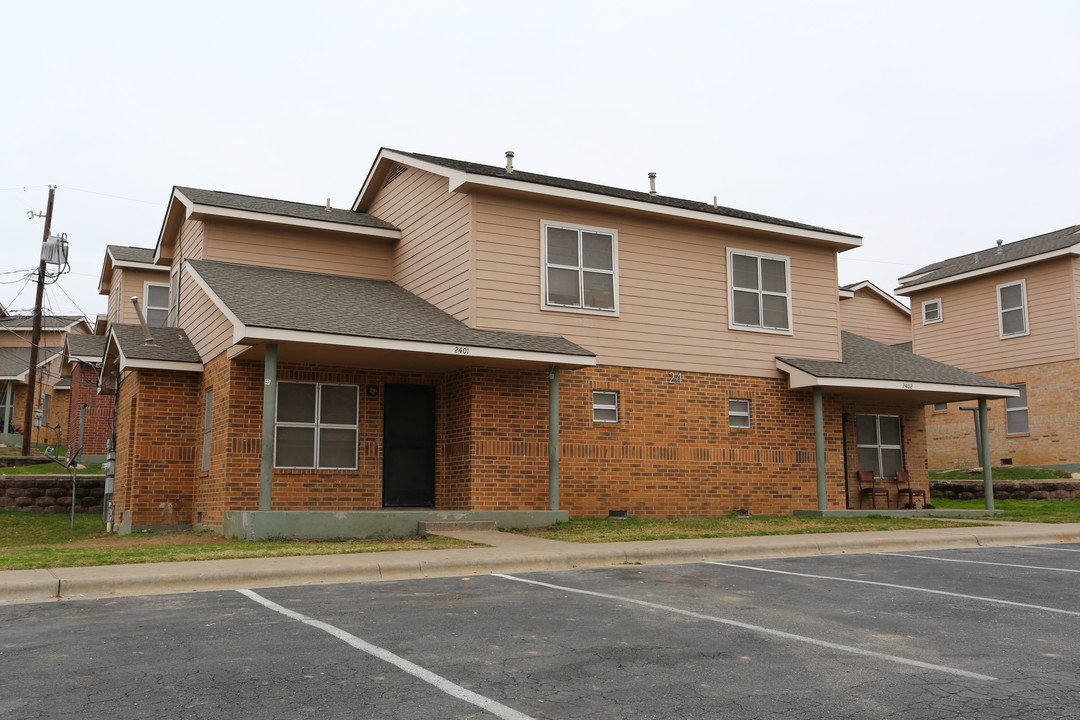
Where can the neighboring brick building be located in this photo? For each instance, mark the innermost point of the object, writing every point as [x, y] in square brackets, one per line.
[51, 404]
[81, 363]
[1010, 313]
[475, 340]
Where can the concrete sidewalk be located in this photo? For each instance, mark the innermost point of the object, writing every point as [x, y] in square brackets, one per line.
[506, 553]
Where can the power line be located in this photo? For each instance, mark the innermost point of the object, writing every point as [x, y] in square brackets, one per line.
[115, 197]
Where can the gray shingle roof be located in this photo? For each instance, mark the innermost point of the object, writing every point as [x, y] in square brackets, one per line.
[865, 359]
[86, 345]
[14, 361]
[357, 307]
[1019, 250]
[170, 344]
[305, 211]
[123, 253]
[500, 172]
[48, 322]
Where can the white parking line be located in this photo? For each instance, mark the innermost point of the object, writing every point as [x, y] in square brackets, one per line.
[996, 601]
[981, 562]
[757, 628]
[1040, 547]
[452, 689]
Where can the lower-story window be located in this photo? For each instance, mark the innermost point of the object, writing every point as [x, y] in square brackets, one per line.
[738, 413]
[605, 406]
[1016, 412]
[880, 444]
[316, 425]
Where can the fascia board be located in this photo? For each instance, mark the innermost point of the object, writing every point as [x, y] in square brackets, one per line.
[840, 241]
[251, 335]
[867, 285]
[213, 211]
[175, 198]
[909, 289]
[367, 190]
[138, 363]
[801, 379]
[845, 294]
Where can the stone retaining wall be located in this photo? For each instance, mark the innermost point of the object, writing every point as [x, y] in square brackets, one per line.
[51, 493]
[1006, 489]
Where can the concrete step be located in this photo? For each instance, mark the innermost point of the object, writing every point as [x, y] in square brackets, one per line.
[444, 527]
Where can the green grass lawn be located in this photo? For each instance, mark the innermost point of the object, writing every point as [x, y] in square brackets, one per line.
[1004, 473]
[593, 530]
[1045, 511]
[29, 541]
[50, 468]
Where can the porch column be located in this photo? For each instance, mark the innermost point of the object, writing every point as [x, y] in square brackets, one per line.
[819, 447]
[988, 472]
[553, 438]
[9, 402]
[266, 467]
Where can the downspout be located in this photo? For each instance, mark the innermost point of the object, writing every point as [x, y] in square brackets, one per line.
[844, 417]
[819, 447]
[9, 402]
[988, 472]
[553, 438]
[266, 466]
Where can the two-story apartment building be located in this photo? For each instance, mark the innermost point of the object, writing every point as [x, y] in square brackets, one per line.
[1009, 312]
[51, 404]
[470, 338]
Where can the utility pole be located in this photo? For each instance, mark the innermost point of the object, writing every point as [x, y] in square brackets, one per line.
[31, 378]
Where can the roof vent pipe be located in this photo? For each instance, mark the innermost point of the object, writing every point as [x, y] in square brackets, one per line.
[652, 184]
[142, 321]
[999, 250]
[327, 203]
[714, 205]
[509, 161]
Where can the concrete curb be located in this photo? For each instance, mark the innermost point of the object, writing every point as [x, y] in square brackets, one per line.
[162, 578]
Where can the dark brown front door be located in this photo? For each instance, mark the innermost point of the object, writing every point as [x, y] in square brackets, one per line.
[409, 446]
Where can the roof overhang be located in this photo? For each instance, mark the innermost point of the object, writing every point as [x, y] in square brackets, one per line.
[42, 362]
[461, 181]
[104, 285]
[1072, 250]
[182, 207]
[115, 357]
[867, 285]
[896, 392]
[410, 353]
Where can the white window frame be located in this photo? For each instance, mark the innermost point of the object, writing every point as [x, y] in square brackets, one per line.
[940, 315]
[1018, 409]
[318, 426]
[605, 406]
[1022, 307]
[208, 424]
[941, 409]
[879, 446]
[732, 414]
[544, 304]
[174, 299]
[147, 307]
[732, 325]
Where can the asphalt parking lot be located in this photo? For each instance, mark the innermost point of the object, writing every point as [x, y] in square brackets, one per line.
[982, 633]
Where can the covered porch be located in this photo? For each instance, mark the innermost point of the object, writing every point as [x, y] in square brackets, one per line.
[878, 385]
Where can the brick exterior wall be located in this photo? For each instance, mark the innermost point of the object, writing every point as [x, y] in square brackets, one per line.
[158, 414]
[98, 424]
[672, 453]
[1053, 419]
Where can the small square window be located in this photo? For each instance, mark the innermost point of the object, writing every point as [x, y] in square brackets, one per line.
[738, 413]
[605, 406]
[931, 312]
[941, 407]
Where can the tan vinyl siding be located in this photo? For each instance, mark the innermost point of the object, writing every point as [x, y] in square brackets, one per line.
[969, 337]
[191, 241]
[673, 307]
[209, 330]
[870, 315]
[318, 251]
[132, 282]
[432, 259]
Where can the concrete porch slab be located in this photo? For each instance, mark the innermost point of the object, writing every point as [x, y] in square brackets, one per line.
[316, 525]
[898, 513]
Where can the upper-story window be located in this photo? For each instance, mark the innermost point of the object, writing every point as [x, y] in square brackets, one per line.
[931, 311]
[580, 268]
[1012, 309]
[156, 301]
[760, 296]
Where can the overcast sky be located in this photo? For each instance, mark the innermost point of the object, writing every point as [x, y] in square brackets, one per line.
[932, 129]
